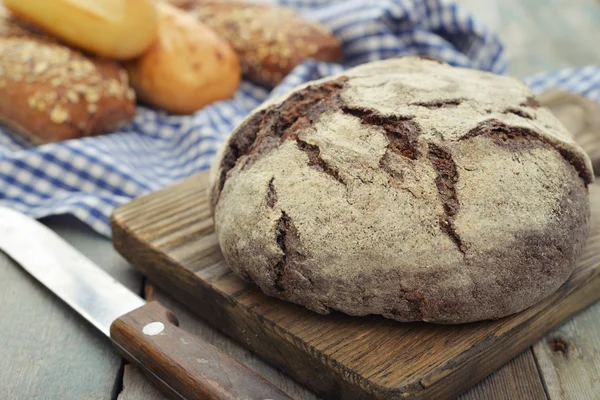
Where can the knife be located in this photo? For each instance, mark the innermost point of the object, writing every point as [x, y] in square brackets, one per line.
[145, 333]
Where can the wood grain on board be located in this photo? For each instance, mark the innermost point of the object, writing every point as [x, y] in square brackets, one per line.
[169, 237]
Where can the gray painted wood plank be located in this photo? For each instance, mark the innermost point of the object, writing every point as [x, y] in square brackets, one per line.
[569, 358]
[519, 379]
[46, 350]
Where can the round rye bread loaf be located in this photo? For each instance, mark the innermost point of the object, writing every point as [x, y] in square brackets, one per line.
[406, 188]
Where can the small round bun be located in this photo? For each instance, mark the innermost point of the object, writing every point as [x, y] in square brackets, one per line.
[187, 67]
[406, 188]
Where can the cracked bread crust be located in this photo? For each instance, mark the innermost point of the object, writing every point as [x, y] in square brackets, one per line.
[405, 188]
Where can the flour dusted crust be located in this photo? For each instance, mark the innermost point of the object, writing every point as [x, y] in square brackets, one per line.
[406, 188]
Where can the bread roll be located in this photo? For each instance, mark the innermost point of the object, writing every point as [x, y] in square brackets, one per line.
[405, 188]
[120, 29]
[269, 40]
[187, 67]
[49, 92]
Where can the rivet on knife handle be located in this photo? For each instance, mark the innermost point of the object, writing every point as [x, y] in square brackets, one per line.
[182, 365]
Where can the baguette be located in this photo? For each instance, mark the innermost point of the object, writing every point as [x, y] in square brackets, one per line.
[120, 29]
[269, 40]
[186, 68]
[50, 93]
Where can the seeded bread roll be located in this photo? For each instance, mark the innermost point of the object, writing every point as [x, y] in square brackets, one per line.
[406, 188]
[49, 92]
[188, 66]
[270, 40]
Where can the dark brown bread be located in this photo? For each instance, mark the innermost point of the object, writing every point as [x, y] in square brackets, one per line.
[49, 92]
[270, 40]
[406, 188]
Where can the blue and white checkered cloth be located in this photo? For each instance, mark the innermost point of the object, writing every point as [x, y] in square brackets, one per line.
[89, 177]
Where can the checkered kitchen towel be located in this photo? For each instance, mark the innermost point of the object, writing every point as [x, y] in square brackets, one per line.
[89, 177]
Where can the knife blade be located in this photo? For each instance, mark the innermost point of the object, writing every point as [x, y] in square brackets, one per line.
[146, 334]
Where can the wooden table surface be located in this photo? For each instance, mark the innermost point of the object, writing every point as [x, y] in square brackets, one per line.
[48, 352]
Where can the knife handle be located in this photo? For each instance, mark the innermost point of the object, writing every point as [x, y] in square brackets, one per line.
[183, 365]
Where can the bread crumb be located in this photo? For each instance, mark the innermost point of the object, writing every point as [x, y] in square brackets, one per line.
[114, 88]
[40, 67]
[59, 114]
[130, 95]
[92, 108]
[72, 96]
[91, 96]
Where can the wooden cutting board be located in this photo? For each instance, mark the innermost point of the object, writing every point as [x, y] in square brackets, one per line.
[168, 236]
